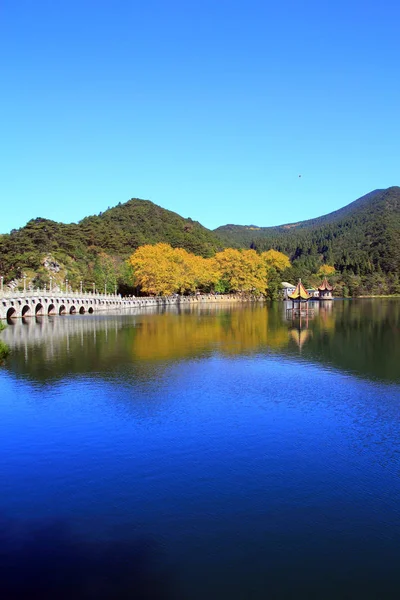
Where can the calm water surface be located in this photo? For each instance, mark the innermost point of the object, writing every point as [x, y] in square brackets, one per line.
[217, 452]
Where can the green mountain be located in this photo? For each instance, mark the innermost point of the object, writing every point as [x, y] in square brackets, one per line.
[96, 246]
[363, 237]
[125, 227]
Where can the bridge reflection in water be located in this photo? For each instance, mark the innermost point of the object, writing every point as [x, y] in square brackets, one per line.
[152, 332]
[159, 334]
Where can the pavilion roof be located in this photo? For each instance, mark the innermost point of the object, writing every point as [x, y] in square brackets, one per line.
[300, 293]
[325, 285]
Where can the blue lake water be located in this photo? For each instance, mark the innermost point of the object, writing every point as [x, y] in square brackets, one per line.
[220, 452]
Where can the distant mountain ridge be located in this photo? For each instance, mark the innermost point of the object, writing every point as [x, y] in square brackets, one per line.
[229, 231]
[363, 236]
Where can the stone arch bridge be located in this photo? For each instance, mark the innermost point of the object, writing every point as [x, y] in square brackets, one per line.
[41, 303]
[44, 303]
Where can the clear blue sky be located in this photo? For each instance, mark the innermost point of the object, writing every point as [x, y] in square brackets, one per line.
[210, 108]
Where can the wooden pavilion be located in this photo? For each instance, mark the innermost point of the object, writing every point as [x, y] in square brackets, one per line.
[299, 298]
[325, 290]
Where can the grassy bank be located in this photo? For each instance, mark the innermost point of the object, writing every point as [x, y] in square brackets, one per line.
[4, 349]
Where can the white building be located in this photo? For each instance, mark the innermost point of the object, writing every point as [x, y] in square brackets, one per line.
[288, 288]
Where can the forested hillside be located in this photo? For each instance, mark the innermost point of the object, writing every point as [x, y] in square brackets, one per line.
[244, 235]
[95, 249]
[361, 240]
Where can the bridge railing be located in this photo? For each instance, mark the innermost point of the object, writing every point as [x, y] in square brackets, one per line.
[37, 293]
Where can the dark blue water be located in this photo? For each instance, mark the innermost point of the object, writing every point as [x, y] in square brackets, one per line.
[208, 454]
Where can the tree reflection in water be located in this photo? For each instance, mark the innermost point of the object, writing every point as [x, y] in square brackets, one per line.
[361, 337]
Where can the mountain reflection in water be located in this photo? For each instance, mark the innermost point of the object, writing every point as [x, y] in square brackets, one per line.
[357, 336]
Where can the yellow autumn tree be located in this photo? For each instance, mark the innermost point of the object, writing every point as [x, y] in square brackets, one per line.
[326, 270]
[182, 270]
[192, 272]
[242, 270]
[275, 259]
[163, 270]
[155, 270]
[205, 272]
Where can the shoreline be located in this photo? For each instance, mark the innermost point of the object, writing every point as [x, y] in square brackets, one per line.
[379, 296]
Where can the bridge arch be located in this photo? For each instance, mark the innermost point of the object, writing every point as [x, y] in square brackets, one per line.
[72, 310]
[11, 313]
[90, 310]
[26, 311]
[62, 310]
[38, 309]
[82, 310]
[51, 310]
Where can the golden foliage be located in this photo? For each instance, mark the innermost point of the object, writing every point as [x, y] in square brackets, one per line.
[244, 270]
[326, 270]
[163, 270]
[153, 269]
[275, 259]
